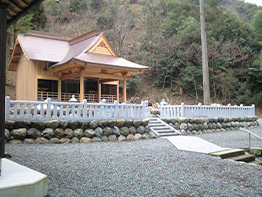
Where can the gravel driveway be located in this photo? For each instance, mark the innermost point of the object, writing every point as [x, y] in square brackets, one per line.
[141, 168]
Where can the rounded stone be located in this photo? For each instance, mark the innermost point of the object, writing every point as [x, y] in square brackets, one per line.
[183, 126]
[121, 138]
[96, 139]
[18, 134]
[219, 126]
[183, 120]
[85, 125]
[59, 133]
[99, 132]
[120, 123]
[128, 123]
[69, 133]
[145, 122]
[145, 136]
[147, 129]
[85, 140]
[79, 133]
[194, 132]
[177, 125]
[7, 134]
[124, 131]
[137, 123]
[52, 124]
[112, 123]
[190, 127]
[93, 124]
[54, 140]
[205, 126]
[89, 133]
[132, 130]
[138, 136]
[22, 124]
[9, 125]
[48, 133]
[29, 141]
[40, 125]
[129, 137]
[112, 138]
[108, 131]
[104, 139]
[41, 140]
[152, 135]
[141, 129]
[116, 131]
[74, 124]
[15, 142]
[196, 126]
[63, 124]
[74, 140]
[174, 121]
[64, 140]
[183, 132]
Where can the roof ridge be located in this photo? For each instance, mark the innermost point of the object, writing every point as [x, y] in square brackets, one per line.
[48, 35]
[85, 36]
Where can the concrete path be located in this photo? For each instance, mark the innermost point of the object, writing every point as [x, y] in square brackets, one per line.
[194, 144]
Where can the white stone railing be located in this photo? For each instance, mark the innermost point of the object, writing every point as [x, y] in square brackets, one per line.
[215, 110]
[49, 110]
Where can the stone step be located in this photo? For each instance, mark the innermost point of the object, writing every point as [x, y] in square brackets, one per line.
[168, 134]
[165, 131]
[245, 158]
[161, 128]
[228, 153]
[257, 162]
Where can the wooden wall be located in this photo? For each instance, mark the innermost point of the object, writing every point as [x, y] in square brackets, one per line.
[26, 82]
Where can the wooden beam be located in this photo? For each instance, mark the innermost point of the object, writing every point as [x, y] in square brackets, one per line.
[99, 90]
[59, 88]
[104, 76]
[117, 91]
[48, 77]
[69, 76]
[16, 5]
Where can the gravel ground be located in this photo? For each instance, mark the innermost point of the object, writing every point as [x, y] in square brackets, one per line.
[141, 168]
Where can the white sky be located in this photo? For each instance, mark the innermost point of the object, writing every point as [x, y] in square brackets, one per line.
[257, 2]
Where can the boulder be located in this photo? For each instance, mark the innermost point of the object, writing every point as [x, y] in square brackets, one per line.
[33, 133]
[177, 125]
[29, 141]
[116, 131]
[200, 127]
[174, 121]
[41, 140]
[104, 139]
[9, 125]
[18, 134]
[69, 133]
[85, 140]
[74, 140]
[52, 124]
[145, 122]
[120, 123]
[137, 123]
[132, 130]
[138, 136]
[183, 120]
[63, 124]
[121, 138]
[190, 127]
[151, 135]
[22, 124]
[15, 142]
[147, 129]
[183, 126]
[7, 134]
[141, 129]
[54, 140]
[93, 124]
[74, 124]
[59, 133]
[107, 131]
[85, 125]
[124, 131]
[79, 133]
[89, 133]
[129, 137]
[205, 126]
[111, 123]
[48, 133]
[128, 123]
[64, 140]
[219, 126]
[112, 138]
[99, 132]
[96, 139]
[145, 136]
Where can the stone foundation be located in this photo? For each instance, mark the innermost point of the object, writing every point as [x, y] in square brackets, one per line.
[188, 126]
[55, 132]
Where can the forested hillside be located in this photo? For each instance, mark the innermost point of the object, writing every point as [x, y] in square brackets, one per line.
[165, 35]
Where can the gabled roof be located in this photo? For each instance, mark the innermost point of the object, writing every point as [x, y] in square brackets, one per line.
[90, 48]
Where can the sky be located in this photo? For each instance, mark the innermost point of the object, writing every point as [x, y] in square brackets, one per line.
[257, 2]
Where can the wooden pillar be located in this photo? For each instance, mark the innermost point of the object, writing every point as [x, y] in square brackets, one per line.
[59, 89]
[124, 86]
[99, 90]
[82, 87]
[117, 91]
[3, 23]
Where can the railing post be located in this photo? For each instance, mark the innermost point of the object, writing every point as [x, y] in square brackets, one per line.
[199, 111]
[7, 107]
[241, 110]
[229, 110]
[216, 113]
[182, 109]
[84, 108]
[48, 109]
[253, 110]
[162, 109]
[116, 109]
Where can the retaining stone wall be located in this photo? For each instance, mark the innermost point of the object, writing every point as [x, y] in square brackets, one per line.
[43, 132]
[188, 126]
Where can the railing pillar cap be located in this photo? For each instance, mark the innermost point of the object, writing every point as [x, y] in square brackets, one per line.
[163, 102]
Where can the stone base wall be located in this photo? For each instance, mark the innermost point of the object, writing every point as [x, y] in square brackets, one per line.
[43, 132]
[188, 126]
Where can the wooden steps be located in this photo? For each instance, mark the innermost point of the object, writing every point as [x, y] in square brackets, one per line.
[237, 155]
